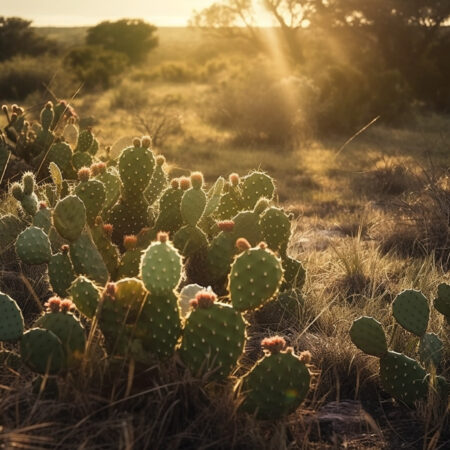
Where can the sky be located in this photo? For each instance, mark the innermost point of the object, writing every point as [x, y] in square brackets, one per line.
[90, 12]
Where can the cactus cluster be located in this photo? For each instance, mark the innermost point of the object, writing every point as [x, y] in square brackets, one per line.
[124, 245]
[401, 376]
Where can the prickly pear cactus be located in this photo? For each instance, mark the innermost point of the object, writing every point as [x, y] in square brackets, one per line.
[430, 350]
[442, 301]
[43, 218]
[403, 377]
[411, 310]
[33, 246]
[213, 337]
[42, 351]
[368, 335]
[130, 263]
[161, 266]
[60, 271]
[193, 202]
[11, 319]
[255, 186]
[255, 277]
[158, 181]
[92, 193]
[69, 217]
[169, 219]
[276, 228]
[278, 383]
[60, 320]
[85, 295]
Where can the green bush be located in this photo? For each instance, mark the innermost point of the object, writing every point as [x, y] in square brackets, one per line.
[94, 66]
[23, 75]
[177, 72]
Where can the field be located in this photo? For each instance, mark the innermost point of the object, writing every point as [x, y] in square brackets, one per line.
[370, 218]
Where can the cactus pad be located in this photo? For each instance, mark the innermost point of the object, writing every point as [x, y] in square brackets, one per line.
[33, 246]
[411, 310]
[368, 335]
[442, 301]
[69, 217]
[11, 319]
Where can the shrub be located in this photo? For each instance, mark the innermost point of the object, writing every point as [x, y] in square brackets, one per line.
[177, 72]
[129, 95]
[23, 75]
[95, 66]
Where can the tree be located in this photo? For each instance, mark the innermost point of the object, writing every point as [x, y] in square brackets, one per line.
[17, 38]
[131, 37]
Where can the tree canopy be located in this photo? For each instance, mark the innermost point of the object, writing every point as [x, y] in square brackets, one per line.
[132, 37]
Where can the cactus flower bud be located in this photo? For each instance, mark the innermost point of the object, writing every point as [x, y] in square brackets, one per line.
[197, 180]
[242, 244]
[84, 174]
[130, 242]
[225, 225]
[273, 344]
[175, 183]
[160, 160]
[136, 142]
[185, 183]
[162, 237]
[234, 179]
[146, 141]
[53, 304]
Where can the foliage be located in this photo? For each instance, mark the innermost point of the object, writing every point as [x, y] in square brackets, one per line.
[133, 38]
[95, 66]
[17, 38]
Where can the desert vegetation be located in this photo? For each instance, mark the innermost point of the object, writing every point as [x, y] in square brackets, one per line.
[227, 235]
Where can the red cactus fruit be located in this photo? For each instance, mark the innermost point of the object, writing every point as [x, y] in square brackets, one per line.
[84, 174]
[203, 299]
[175, 183]
[160, 160]
[42, 205]
[262, 245]
[53, 304]
[146, 141]
[130, 242]
[273, 344]
[226, 225]
[65, 249]
[108, 229]
[234, 179]
[185, 183]
[162, 237]
[197, 180]
[242, 244]
[98, 168]
[66, 306]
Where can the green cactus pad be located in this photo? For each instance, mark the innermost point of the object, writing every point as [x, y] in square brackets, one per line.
[193, 205]
[85, 140]
[80, 160]
[108, 251]
[160, 324]
[92, 193]
[368, 335]
[47, 116]
[136, 166]
[228, 207]
[69, 217]
[213, 340]
[169, 218]
[33, 246]
[93, 149]
[294, 274]
[69, 331]
[161, 268]
[156, 186]
[130, 294]
[129, 265]
[220, 255]
[255, 186]
[276, 386]
[111, 181]
[411, 310]
[61, 273]
[11, 319]
[430, 349]
[60, 153]
[403, 378]
[43, 219]
[442, 301]
[10, 228]
[87, 260]
[255, 277]
[246, 225]
[276, 228]
[189, 240]
[85, 296]
[213, 197]
[42, 351]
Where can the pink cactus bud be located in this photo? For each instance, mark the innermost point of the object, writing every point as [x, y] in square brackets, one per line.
[242, 244]
[66, 306]
[84, 174]
[262, 245]
[130, 242]
[65, 249]
[203, 299]
[234, 179]
[136, 142]
[98, 168]
[146, 141]
[197, 180]
[175, 183]
[160, 160]
[53, 304]
[42, 205]
[109, 294]
[226, 225]
[108, 229]
[162, 237]
[273, 344]
[185, 183]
